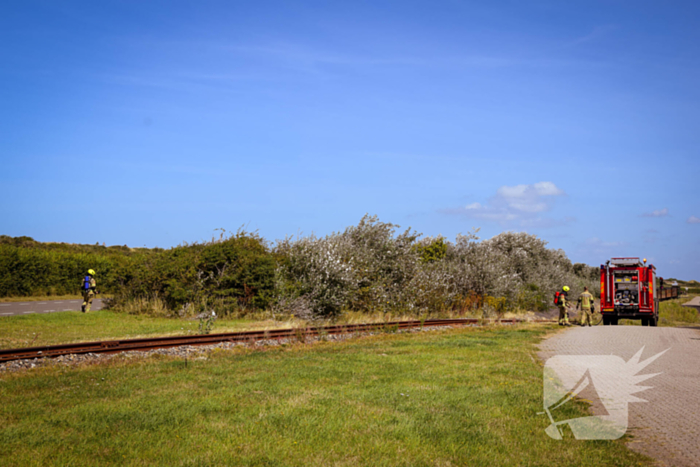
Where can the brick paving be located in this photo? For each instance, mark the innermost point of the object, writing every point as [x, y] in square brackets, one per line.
[667, 427]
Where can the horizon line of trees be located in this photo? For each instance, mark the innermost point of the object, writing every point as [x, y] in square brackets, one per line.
[369, 267]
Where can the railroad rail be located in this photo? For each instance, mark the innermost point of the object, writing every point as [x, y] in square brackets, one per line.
[146, 344]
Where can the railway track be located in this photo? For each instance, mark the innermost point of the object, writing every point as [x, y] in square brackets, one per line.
[146, 344]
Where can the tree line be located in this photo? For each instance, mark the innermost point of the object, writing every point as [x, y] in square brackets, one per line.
[369, 267]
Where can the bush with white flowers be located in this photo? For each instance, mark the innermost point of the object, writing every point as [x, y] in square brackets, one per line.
[369, 267]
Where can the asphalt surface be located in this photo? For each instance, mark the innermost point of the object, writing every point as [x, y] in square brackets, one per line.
[27, 308]
[667, 426]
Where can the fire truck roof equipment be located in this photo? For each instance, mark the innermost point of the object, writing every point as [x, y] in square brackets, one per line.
[627, 262]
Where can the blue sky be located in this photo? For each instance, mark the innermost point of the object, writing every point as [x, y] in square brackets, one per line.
[153, 123]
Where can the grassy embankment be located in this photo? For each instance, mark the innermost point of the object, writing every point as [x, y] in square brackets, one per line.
[73, 326]
[452, 397]
[68, 327]
[692, 286]
[671, 313]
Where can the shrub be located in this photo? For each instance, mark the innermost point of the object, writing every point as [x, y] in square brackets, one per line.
[230, 275]
[371, 267]
[365, 268]
[431, 250]
[34, 271]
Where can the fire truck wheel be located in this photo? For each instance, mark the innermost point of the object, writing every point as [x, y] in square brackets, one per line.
[645, 321]
[653, 321]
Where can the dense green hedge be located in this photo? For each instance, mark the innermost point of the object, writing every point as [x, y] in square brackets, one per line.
[28, 267]
[29, 271]
[237, 271]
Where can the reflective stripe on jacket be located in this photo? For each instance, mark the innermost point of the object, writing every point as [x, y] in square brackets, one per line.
[586, 300]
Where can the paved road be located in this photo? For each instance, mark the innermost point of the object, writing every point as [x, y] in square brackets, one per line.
[27, 308]
[667, 427]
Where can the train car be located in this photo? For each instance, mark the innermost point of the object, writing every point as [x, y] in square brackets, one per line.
[669, 293]
[629, 290]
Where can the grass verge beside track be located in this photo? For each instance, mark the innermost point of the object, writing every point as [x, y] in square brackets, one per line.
[449, 397]
[73, 326]
[671, 313]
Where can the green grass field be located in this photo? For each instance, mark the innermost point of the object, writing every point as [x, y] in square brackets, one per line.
[445, 398]
[671, 313]
[73, 326]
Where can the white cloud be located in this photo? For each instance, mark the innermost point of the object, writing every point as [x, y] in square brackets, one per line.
[693, 220]
[658, 213]
[521, 204]
[548, 189]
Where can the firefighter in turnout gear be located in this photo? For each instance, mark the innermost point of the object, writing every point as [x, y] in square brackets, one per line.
[89, 290]
[562, 304]
[585, 302]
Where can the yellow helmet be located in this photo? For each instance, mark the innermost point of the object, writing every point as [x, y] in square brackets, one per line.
[91, 272]
[565, 288]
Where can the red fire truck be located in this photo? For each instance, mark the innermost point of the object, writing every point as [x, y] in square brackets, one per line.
[629, 290]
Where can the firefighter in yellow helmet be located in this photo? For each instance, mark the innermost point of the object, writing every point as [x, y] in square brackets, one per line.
[585, 301]
[89, 290]
[562, 304]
